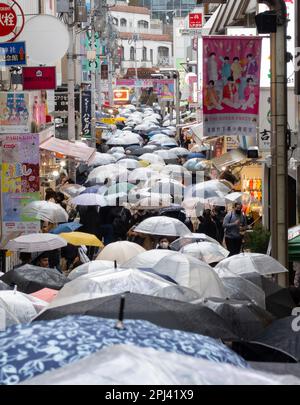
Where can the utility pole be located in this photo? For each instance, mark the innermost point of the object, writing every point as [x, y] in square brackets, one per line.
[93, 75]
[71, 91]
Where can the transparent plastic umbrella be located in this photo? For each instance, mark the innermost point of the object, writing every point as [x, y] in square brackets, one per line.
[206, 251]
[163, 226]
[46, 211]
[36, 242]
[120, 252]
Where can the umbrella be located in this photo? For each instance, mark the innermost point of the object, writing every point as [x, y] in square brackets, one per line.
[46, 294]
[236, 197]
[90, 199]
[163, 312]
[192, 273]
[243, 317]
[141, 174]
[153, 201]
[119, 188]
[72, 190]
[139, 151]
[46, 211]
[178, 293]
[180, 151]
[98, 189]
[206, 251]
[129, 164]
[196, 155]
[88, 335]
[91, 267]
[109, 282]
[81, 238]
[196, 164]
[31, 278]
[128, 139]
[120, 251]
[102, 173]
[187, 239]
[66, 227]
[176, 172]
[150, 157]
[124, 364]
[250, 263]
[4, 286]
[18, 308]
[162, 226]
[102, 159]
[166, 155]
[147, 259]
[36, 242]
[116, 149]
[283, 334]
[167, 186]
[207, 189]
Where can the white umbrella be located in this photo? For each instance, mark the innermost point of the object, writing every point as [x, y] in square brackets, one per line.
[141, 174]
[176, 171]
[207, 189]
[157, 167]
[109, 282]
[129, 164]
[192, 273]
[100, 174]
[102, 159]
[167, 186]
[187, 239]
[150, 157]
[236, 197]
[153, 201]
[116, 149]
[208, 252]
[250, 263]
[166, 155]
[118, 156]
[46, 211]
[163, 226]
[127, 139]
[36, 242]
[72, 190]
[120, 251]
[90, 199]
[147, 259]
[19, 308]
[180, 151]
[90, 267]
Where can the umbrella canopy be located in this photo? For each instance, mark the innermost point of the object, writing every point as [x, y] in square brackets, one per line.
[153, 201]
[236, 197]
[102, 159]
[81, 238]
[151, 158]
[251, 263]
[36, 242]
[208, 252]
[192, 273]
[120, 251]
[66, 227]
[163, 312]
[102, 173]
[46, 211]
[119, 188]
[147, 259]
[180, 151]
[124, 364]
[127, 139]
[18, 308]
[45, 294]
[187, 239]
[129, 164]
[116, 149]
[34, 340]
[179, 173]
[31, 278]
[97, 189]
[207, 189]
[90, 199]
[195, 164]
[167, 186]
[109, 282]
[166, 155]
[243, 317]
[283, 334]
[139, 151]
[162, 226]
[141, 174]
[91, 267]
[72, 190]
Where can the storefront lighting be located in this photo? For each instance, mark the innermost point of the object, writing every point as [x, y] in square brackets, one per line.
[63, 163]
[55, 173]
[223, 168]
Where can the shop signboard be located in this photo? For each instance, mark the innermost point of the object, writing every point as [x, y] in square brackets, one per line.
[20, 183]
[232, 142]
[61, 101]
[164, 89]
[39, 78]
[195, 20]
[13, 54]
[86, 114]
[231, 82]
[15, 114]
[121, 96]
[142, 83]
[12, 20]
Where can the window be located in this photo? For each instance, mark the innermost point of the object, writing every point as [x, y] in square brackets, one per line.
[115, 21]
[143, 24]
[123, 22]
[122, 52]
[132, 53]
[144, 53]
[151, 55]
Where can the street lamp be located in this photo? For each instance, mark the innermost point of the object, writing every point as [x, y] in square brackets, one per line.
[176, 76]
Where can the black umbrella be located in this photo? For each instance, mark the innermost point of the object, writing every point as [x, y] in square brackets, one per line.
[277, 368]
[29, 278]
[4, 286]
[244, 318]
[260, 352]
[283, 334]
[141, 150]
[279, 301]
[162, 312]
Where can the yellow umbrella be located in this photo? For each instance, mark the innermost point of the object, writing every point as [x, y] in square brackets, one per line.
[120, 119]
[144, 163]
[81, 238]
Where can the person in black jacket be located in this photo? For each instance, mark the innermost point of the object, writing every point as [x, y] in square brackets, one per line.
[208, 225]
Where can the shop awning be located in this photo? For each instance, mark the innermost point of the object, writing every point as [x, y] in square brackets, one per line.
[229, 159]
[70, 149]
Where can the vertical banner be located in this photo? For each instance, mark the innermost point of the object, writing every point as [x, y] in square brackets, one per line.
[86, 114]
[231, 80]
[164, 89]
[20, 183]
[14, 113]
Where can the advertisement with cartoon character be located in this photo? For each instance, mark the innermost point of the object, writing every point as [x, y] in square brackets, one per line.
[231, 80]
[20, 183]
[14, 112]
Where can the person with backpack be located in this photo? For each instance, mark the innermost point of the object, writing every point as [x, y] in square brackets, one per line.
[235, 224]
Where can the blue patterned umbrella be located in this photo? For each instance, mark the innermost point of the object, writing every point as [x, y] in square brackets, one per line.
[31, 349]
[65, 228]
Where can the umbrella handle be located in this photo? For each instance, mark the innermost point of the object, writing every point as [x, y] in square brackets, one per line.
[120, 325]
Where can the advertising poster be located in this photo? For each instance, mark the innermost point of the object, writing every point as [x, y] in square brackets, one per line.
[20, 183]
[164, 89]
[14, 113]
[231, 81]
[86, 114]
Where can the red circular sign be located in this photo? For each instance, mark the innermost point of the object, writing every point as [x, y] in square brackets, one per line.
[8, 20]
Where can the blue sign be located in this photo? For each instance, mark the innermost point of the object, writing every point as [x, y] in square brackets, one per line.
[12, 54]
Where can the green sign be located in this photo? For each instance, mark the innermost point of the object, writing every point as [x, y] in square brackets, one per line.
[87, 65]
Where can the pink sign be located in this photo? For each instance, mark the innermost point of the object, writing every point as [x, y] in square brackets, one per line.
[39, 78]
[231, 79]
